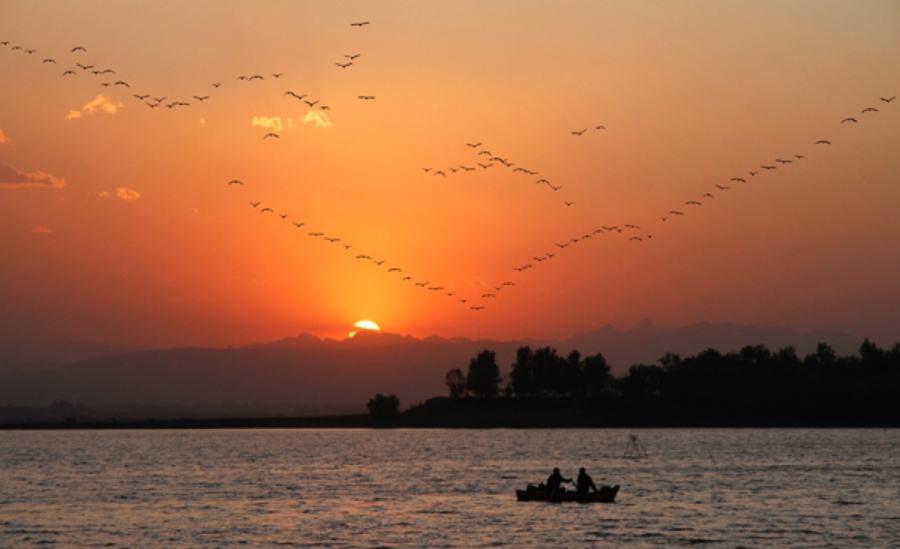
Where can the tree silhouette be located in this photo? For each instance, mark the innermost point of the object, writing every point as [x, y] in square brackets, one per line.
[456, 382]
[521, 376]
[596, 375]
[383, 407]
[484, 374]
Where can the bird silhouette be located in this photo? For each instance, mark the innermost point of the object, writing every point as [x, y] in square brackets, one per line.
[578, 132]
[49, 60]
[201, 97]
[395, 270]
[485, 296]
[722, 187]
[122, 83]
[352, 56]
[849, 119]
[235, 182]
[799, 156]
[739, 179]
[311, 103]
[708, 195]
[379, 263]
[344, 65]
[333, 239]
[567, 203]
[869, 109]
[473, 145]
[267, 210]
[421, 284]
[637, 238]
[366, 97]
[316, 234]
[484, 152]
[888, 99]
[600, 127]
[298, 225]
[140, 97]
[363, 256]
[752, 173]
[359, 24]
[676, 212]
[79, 48]
[255, 204]
[272, 134]
[767, 167]
[783, 161]
[693, 203]
[84, 67]
[276, 75]
[292, 94]
[823, 142]
[477, 308]
[68, 72]
[216, 84]
[406, 278]
[440, 173]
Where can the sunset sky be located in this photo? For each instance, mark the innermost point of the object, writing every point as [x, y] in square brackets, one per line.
[116, 222]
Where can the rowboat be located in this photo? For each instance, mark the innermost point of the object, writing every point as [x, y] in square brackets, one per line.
[606, 494]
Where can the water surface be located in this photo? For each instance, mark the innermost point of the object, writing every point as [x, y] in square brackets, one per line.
[447, 488]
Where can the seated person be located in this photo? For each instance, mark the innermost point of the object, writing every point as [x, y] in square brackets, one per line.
[555, 479]
[584, 483]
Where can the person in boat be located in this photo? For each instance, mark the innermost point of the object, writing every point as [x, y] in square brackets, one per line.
[555, 480]
[584, 483]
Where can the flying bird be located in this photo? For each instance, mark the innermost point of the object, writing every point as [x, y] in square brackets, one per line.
[405, 278]
[708, 195]
[477, 308]
[849, 119]
[344, 65]
[485, 296]
[693, 203]
[201, 97]
[235, 182]
[869, 109]
[298, 225]
[68, 72]
[799, 156]
[216, 84]
[601, 127]
[84, 67]
[739, 179]
[362, 256]
[567, 203]
[421, 284]
[767, 167]
[312, 103]
[122, 83]
[49, 60]
[315, 234]
[676, 212]
[141, 97]
[395, 270]
[79, 48]
[292, 94]
[352, 56]
[366, 97]
[359, 24]
[332, 239]
[440, 173]
[283, 216]
[636, 238]
[255, 204]
[267, 210]
[752, 173]
[783, 161]
[473, 145]
[379, 263]
[722, 187]
[823, 142]
[888, 99]
[272, 134]
[578, 132]
[276, 75]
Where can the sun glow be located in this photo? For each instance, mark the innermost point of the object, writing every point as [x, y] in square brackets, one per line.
[364, 326]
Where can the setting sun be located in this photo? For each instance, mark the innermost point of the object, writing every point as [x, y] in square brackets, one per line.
[366, 326]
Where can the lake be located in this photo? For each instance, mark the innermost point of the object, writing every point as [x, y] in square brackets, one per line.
[448, 488]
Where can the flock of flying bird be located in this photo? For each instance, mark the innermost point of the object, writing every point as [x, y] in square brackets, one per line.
[153, 101]
[485, 159]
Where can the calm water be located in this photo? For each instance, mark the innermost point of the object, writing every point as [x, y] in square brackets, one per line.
[447, 488]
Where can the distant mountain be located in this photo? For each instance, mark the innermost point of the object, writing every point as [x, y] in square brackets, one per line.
[308, 375]
[44, 356]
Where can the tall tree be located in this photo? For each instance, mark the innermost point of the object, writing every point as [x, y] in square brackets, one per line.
[484, 374]
[456, 382]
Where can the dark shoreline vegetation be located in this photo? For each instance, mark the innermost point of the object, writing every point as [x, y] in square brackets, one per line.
[754, 387]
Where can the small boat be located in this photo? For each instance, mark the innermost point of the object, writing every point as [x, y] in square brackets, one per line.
[606, 494]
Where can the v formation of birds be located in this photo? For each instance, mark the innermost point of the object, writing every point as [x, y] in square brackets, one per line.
[485, 158]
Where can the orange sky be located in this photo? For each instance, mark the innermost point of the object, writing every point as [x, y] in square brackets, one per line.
[128, 232]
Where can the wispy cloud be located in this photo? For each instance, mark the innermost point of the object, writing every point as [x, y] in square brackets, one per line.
[273, 123]
[3, 138]
[126, 194]
[41, 229]
[99, 104]
[318, 118]
[11, 178]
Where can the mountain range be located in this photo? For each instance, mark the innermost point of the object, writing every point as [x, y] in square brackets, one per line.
[305, 375]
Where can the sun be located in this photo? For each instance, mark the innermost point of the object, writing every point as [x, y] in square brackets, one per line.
[364, 326]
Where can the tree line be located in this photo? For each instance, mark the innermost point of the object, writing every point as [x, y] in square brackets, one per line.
[752, 385]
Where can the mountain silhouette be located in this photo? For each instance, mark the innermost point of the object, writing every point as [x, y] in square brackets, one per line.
[307, 375]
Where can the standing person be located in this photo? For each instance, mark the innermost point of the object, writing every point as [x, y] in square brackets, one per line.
[584, 483]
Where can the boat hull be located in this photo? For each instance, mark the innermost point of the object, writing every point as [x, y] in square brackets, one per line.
[606, 494]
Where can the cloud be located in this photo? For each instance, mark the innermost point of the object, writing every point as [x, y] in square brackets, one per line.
[319, 118]
[41, 229]
[273, 123]
[104, 194]
[126, 194]
[99, 104]
[11, 178]
[3, 138]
